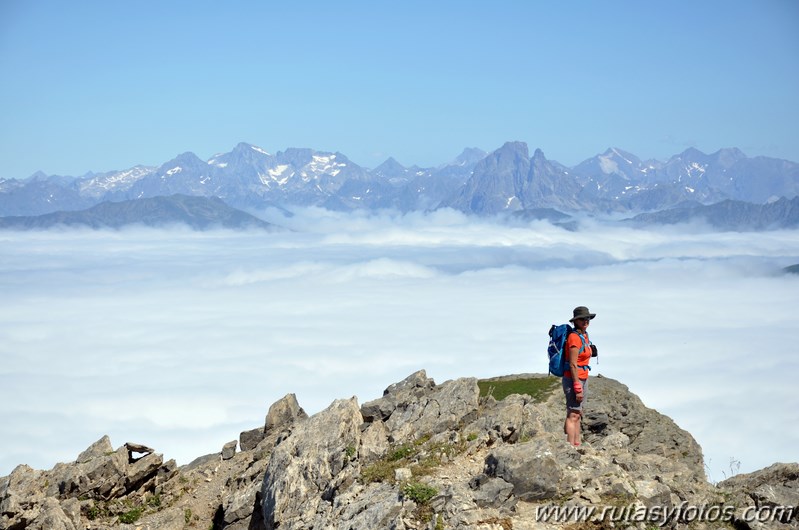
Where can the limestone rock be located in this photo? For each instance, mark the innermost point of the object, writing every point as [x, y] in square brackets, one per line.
[534, 469]
[416, 406]
[415, 385]
[249, 440]
[98, 449]
[768, 491]
[49, 499]
[311, 467]
[281, 415]
[229, 450]
[438, 455]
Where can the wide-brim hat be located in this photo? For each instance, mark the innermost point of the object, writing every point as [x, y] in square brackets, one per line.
[582, 312]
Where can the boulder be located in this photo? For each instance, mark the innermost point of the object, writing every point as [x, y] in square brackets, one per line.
[229, 450]
[534, 469]
[280, 416]
[249, 440]
[282, 413]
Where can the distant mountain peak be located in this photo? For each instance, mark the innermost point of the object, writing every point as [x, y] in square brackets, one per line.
[245, 148]
[515, 147]
[470, 155]
[390, 165]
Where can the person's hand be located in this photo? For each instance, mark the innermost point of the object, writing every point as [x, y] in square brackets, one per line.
[579, 397]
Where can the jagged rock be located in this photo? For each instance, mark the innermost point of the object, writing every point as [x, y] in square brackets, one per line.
[774, 489]
[613, 408]
[142, 471]
[487, 464]
[490, 491]
[249, 440]
[532, 468]
[652, 493]
[100, 448]
[413, 386]
[374, 441]
[136, 448]
[308, 469]
[283, 413]
[48, 499]
[504, 420]
[229, 450]
[57, 516]
[414, 408]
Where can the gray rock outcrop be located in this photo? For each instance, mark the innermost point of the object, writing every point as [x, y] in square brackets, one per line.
[422, 456]
[52, 499]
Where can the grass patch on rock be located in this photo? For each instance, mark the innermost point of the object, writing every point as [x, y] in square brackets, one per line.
[422, 456]
[539, 388]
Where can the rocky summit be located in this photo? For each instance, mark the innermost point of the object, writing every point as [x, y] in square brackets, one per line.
[463, 454]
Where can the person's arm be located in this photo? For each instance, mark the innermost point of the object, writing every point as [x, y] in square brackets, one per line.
[574, 352]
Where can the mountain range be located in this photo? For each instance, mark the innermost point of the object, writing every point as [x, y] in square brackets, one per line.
[198, 213]
[507, 180]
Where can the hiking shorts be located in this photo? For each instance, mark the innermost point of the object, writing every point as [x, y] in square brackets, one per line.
[571, 396]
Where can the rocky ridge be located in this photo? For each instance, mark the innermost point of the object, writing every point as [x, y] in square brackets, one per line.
[422, 456]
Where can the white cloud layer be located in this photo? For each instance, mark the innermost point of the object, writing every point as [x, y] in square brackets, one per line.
[181, 340]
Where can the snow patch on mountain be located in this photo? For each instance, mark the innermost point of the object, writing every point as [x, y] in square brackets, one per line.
[276, 175]
[326, 165]
[121, 180]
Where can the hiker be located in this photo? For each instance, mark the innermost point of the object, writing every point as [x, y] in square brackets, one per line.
[579, 351]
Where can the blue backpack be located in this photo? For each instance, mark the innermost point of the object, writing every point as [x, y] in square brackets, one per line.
[558, 359]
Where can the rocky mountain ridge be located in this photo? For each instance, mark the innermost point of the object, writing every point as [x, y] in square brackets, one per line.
[506, 180]
[422, 456]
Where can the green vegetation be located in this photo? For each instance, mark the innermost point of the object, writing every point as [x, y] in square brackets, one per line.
[154, 501]
[421, 456]
[421, 494]
[132, 515]
[539, 388]
[127, 510]
[93, 512]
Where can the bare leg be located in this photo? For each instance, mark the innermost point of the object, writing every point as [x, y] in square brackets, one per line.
[572, 427]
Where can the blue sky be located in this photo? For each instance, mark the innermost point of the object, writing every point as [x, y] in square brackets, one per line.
[106, 85]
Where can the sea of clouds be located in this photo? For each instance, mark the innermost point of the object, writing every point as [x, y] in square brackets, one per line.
[180, 340]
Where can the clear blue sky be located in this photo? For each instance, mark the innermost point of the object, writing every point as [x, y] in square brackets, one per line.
[98, 85]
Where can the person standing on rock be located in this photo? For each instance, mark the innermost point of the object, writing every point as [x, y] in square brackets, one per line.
[579, 350]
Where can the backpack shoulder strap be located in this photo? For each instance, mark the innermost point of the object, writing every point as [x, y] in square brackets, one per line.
[582, 349]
